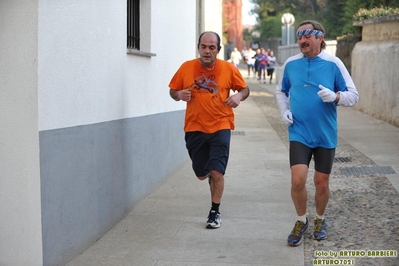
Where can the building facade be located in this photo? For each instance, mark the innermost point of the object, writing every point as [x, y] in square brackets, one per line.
[89, 127]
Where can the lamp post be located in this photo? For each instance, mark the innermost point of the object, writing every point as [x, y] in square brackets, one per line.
[288, 19]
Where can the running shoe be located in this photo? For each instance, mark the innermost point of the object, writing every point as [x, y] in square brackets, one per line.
[320, 229]
[214, 220]
[296, 236]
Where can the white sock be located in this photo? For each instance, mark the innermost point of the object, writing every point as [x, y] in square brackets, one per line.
[321, 217]
[302, 218]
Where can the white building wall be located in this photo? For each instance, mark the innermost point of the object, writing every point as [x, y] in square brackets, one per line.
[20, 223]
[85, 74]
[212, 20]
[64, 64]
[66, 78]
[173, 40]
[105, 114]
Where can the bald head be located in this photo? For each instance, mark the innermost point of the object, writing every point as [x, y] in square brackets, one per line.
[212, 33]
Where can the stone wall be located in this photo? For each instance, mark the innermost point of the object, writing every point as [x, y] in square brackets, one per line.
[375, 64]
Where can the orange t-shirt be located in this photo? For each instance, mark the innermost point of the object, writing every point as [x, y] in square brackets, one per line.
[206, 111]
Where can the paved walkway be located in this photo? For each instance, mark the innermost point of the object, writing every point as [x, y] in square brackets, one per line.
[167, 228]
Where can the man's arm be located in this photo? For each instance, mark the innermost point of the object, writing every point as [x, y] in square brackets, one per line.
[283, 105]
[174, 94]
[350, 95]
[244, 93]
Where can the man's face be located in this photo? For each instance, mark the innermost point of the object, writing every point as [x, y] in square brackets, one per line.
[208, 49]
[309, 45]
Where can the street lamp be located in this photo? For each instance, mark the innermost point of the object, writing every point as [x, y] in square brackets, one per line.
[288, 19]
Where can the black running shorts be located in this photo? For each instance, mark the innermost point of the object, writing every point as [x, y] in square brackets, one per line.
[208, 151]
[302, 154]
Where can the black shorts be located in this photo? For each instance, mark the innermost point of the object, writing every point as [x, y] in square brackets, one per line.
[208, 151]
[302, 154]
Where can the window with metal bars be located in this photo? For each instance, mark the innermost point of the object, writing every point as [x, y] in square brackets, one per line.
[133, 24]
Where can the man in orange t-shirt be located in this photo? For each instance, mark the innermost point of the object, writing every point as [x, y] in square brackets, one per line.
[205, 84]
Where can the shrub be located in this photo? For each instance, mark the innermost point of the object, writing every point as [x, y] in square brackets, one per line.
[376, 12]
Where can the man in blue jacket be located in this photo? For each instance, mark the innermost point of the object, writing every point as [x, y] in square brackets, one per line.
[313, 84]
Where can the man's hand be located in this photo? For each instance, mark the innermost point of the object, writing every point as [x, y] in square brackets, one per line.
[287, 117]
[327, 95]
[184, 95]
[234, 100]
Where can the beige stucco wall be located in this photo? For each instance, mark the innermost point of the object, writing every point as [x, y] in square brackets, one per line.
[375, 64]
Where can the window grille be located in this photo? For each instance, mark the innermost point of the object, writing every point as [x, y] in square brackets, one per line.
[133, 24]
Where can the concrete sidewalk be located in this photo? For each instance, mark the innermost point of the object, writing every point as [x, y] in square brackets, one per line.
[167, 228]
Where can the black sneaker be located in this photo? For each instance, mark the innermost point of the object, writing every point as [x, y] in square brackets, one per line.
[214, 220]
[296, 236]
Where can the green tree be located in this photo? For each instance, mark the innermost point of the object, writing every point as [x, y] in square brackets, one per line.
[335, 15]
[333, 20]
[269, 13]
[351, 7]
